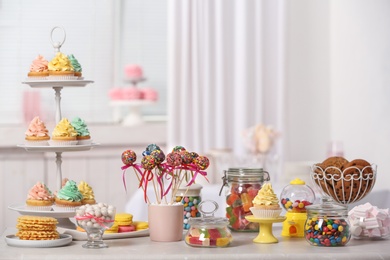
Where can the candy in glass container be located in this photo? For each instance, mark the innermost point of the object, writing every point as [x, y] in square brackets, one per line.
[207, 230]
[327, 225]
[190, 197]
[95, 219]
[294, 198]
[241, 187]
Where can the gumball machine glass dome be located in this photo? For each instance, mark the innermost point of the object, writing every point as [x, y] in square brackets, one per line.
[294, 198]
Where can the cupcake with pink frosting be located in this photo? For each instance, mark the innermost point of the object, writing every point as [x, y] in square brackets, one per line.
[39, 68]
[37, 133]
[134, 72]
[40, 198]
[149, 94]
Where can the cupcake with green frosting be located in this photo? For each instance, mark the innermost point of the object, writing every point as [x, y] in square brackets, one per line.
[83, 135]
[76, 65]
[68, 197]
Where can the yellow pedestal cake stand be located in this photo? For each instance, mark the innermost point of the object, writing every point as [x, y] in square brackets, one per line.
[265, 229]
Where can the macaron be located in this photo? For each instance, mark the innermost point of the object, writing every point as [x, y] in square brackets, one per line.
[140, 225]
[113, 229]
[129, 228]
[123, 219]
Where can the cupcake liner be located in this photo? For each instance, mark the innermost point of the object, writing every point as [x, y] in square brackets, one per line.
[36, 143]
[57, 207]
[84, 142]
[62, 143]
[61, 77]
[265, 213]
[39, 208]
[37, 78]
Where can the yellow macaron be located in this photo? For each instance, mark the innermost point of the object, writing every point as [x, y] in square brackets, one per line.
[140, 225]
[123, 219]
[113, 229]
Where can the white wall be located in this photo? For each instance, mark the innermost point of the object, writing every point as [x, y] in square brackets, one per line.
[360, 81]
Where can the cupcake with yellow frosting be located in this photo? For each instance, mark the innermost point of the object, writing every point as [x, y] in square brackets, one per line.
[266, 203]
[87, 192]
[60, 68]
[64, 134]
[37, 133]
[78, 71]
[68, 197]
[38, 68]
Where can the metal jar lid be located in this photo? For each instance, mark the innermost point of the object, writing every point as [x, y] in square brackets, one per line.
[244, 175]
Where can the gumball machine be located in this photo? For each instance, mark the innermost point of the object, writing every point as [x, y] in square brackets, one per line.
[294, 199]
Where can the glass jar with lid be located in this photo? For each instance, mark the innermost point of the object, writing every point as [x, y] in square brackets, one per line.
[241, 187]
[327, 224]
[207, 230]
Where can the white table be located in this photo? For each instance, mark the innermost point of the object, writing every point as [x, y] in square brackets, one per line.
[241, 248]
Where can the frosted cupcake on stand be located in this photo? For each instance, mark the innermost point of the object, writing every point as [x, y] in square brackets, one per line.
[266, 203]
[38, 69]
[134, 72]
[64, 134]
[87, 192]
[40, 198]
[76, 66]
[60, 68]
[83, 136]
[37, 133]
[68, 197]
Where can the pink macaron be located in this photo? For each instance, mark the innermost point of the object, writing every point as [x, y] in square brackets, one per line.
[122, 229]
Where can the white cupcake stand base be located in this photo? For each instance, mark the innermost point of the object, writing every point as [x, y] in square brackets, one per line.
[133, 111]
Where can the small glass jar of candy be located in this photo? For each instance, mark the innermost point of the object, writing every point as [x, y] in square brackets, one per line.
[241, 187]
[327, 225]
[190, 197]
[207, 230]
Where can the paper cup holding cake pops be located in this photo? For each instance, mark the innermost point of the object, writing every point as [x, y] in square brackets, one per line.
[165, 174]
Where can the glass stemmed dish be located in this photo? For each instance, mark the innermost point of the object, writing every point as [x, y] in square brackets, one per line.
[95, 219]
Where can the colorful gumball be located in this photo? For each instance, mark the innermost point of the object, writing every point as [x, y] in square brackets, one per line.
[129, 157]
[202, 162]
[186, 157]
[158, 155]
[150, 148]
[174, 159]
[148, 162]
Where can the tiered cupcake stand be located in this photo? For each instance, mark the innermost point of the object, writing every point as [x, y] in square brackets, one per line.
[57, 85]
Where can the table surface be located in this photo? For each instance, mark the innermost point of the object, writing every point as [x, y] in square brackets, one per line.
[241, 248]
